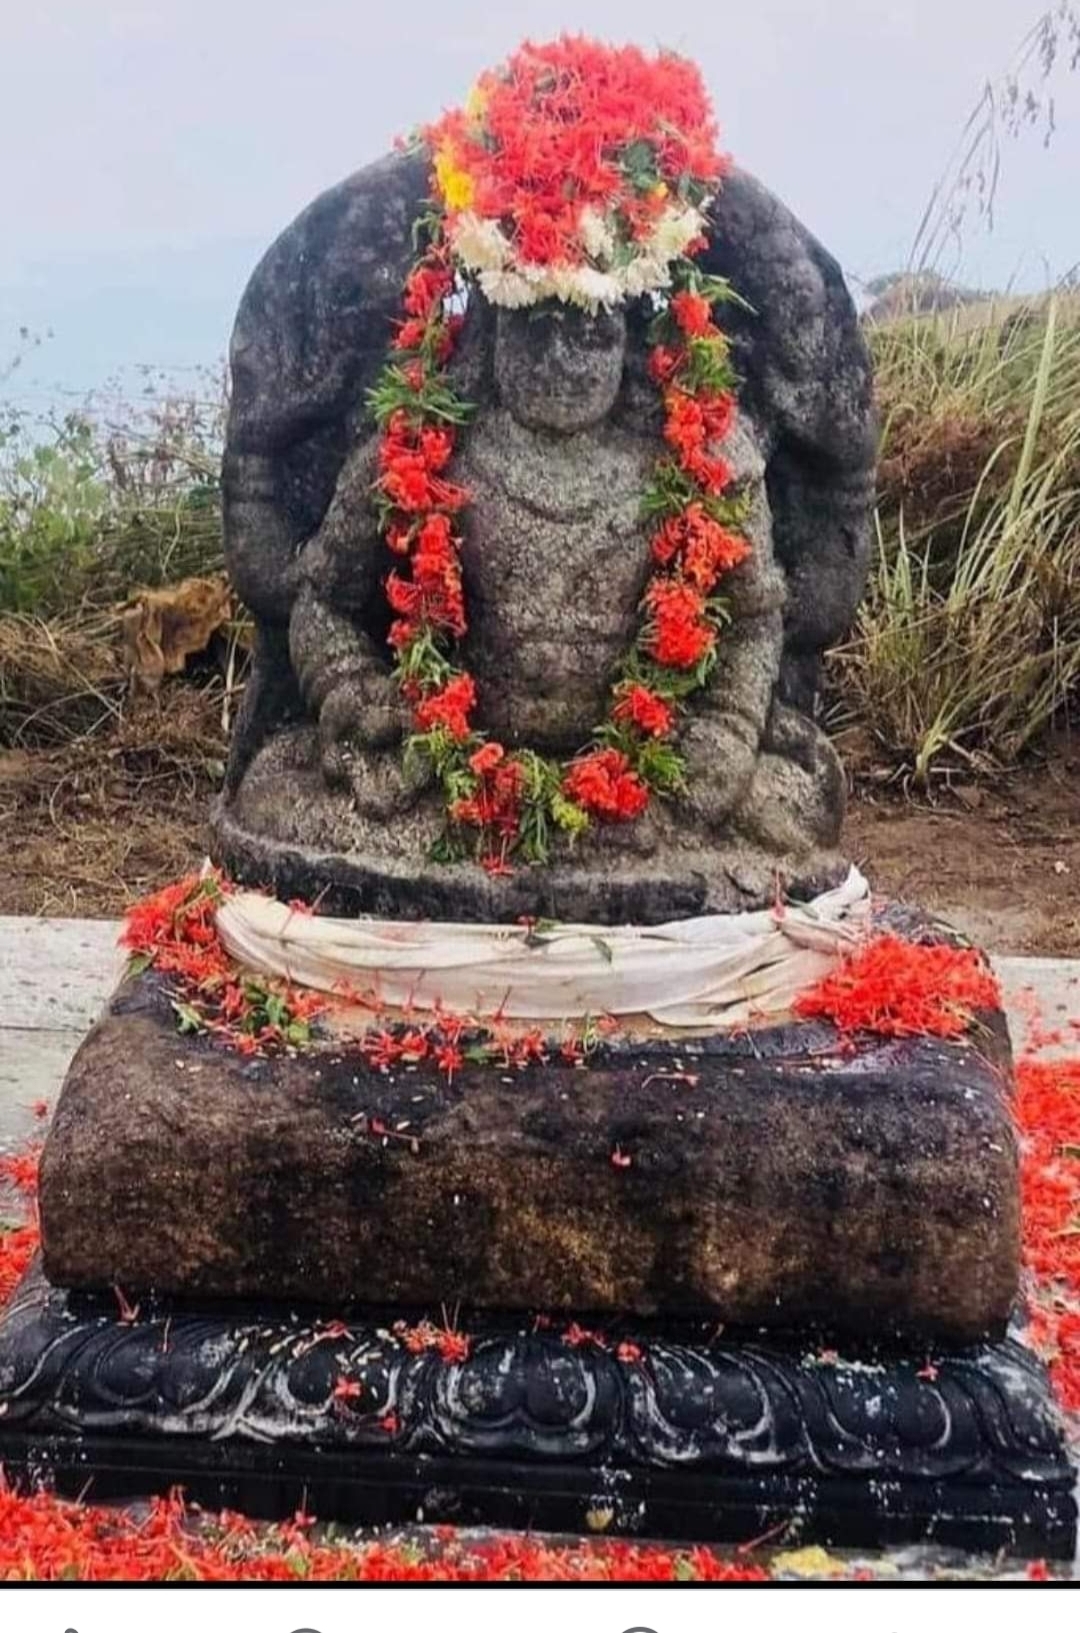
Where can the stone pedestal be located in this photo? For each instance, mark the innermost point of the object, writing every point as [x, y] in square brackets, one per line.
[697, 1288]
[781, 1177]
[633, 1430]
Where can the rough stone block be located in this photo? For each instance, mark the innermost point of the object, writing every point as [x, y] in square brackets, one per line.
[772, 1178]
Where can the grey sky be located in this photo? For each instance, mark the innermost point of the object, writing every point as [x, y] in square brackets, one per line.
[149, 151]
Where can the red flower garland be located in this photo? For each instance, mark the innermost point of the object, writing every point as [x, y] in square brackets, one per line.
[549, 119]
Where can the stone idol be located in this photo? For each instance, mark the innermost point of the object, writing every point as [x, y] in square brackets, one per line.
[529, 1104]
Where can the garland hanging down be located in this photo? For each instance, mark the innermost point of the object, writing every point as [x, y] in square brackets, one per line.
[581, 173]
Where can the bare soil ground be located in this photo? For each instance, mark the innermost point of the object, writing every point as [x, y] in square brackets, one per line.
[93, 825]
[999, 858]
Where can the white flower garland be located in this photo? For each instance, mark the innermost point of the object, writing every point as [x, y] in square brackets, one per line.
[484, 249]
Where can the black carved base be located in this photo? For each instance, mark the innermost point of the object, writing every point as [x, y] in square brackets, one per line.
[681, 1434]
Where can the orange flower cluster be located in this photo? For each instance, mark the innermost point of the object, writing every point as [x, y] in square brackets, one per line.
[426, 288]
[901, 989]
[693, 314]
[410, 460]
[175, 931]
[678, 634]
[441, 1042]
[448, 708]
[636, 705]
[47, 1539]
[604, 784]
[703, 548]
[691, 424]
[18, 1242]
[451, 1346]
[553, 132]
[495, 806]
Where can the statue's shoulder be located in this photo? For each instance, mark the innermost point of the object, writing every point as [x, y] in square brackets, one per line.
[313, 322]
[799, 347]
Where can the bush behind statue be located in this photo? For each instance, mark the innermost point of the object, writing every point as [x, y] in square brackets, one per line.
[95, 504]
[967, 647]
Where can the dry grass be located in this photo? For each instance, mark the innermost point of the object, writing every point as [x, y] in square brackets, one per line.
[110, 815]
[60, 679]
[967, 648]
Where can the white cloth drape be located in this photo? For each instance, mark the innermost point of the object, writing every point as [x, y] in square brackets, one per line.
[721, 970]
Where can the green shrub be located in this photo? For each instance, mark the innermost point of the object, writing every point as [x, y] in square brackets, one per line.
[968, 643]
[90, 511]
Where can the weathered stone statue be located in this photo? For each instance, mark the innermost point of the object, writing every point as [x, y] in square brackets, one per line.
[555, 558]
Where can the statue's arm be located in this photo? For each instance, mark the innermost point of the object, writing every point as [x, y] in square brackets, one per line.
[806, 381]
[722, 740]
[343, 671]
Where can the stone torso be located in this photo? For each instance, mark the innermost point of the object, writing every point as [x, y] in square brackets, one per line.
[555, 559]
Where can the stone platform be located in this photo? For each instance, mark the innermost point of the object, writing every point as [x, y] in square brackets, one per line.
[780, 1177]
[686, 1431]
[685, 1434]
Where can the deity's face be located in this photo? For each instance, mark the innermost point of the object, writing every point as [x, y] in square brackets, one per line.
[559, 368]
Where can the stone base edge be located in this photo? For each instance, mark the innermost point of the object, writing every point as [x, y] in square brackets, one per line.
[639, 1432]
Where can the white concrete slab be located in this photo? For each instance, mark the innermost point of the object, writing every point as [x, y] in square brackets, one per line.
[1042, 1000]
[56, 973]
[55, 978]
[32, 1067]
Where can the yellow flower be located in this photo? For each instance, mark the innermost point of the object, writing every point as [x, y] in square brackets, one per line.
[660, 190]
[476, 101]
[456, 186]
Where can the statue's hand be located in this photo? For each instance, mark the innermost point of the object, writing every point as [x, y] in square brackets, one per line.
[364, 709]
[383, 786]
[361, 725]
[719, 764]
[361, 718]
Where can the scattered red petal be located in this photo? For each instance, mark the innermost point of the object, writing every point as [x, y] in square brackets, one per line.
[900, 988]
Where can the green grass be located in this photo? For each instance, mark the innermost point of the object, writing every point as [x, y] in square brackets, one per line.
[89, 512]
[92, 511]
[968, 644]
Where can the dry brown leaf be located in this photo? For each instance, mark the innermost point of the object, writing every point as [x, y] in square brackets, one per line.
[163, 628]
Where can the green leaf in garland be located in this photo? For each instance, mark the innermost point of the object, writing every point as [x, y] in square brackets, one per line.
[188, 1019]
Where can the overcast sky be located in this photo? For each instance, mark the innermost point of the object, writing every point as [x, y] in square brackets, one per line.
[150, 149]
